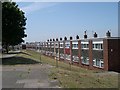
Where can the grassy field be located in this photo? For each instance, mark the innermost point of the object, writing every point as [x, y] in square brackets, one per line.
[73, 76]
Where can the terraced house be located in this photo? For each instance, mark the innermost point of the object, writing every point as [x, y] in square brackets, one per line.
[91, 53]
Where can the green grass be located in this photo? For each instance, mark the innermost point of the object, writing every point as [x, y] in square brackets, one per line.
[78, 77]
[74, 77]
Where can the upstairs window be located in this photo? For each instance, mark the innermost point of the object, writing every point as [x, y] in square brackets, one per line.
[98, 46]
[75, 45]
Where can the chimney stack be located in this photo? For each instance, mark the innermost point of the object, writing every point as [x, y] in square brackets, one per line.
[50, 39]
[85, 36]
[95, 35]
[70, 38]
[77, 37]
[108, 34]
[65, 38]
[60, 39]
[56, 39]
[53, 39]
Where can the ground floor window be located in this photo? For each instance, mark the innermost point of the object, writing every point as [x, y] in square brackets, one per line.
[98, 63]
[75, 59]
[85, 60]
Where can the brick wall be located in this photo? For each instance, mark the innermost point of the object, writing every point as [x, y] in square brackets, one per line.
[105, 54]
[113, 54]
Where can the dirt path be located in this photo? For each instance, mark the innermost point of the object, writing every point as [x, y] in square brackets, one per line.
[27, 76]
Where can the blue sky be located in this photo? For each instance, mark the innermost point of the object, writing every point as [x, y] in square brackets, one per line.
[47, 20]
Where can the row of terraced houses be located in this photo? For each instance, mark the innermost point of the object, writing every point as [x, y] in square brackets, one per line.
[91, 53]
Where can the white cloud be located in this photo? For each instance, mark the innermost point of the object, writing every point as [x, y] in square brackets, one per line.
[36, 6]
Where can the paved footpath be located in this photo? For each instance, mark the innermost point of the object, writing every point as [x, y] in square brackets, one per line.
[27, 76]
[9, 55]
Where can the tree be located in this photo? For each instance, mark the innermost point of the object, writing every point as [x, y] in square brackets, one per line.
[13, 24]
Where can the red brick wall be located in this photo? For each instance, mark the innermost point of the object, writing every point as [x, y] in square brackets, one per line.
[79, 52]
[105, 54]
[90, 55]
[114, 55]
[111, 54]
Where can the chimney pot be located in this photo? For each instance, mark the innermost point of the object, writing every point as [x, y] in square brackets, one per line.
[56, 39]
[85, 35]
[60, 39]
[65, 38]
[53, 39]
[108, 34]
[70, 38]
[77, 37]
[95, 35]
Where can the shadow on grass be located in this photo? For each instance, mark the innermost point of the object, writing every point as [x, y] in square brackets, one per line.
[18, 60]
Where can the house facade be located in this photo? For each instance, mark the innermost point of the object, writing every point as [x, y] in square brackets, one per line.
[94, 53]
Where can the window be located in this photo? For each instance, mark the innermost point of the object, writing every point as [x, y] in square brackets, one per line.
[85, 60]
[98, 63]
[94, 62]
[87, 45]
[67, 57]
[93, 45]
[82, 45]
[61, 45]
[102, 64]
[75, 58]
[56, 44]
[98, 46]
[75, 45]
[67, 45]
[101, 46]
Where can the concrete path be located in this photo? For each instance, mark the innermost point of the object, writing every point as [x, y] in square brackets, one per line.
[9, 55]
[27, 76]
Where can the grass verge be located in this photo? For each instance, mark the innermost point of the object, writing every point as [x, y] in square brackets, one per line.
[76, 77]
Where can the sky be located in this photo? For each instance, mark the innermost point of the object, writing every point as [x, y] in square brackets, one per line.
[47, 20]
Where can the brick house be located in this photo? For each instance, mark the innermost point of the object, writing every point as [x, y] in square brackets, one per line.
[93, 53]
